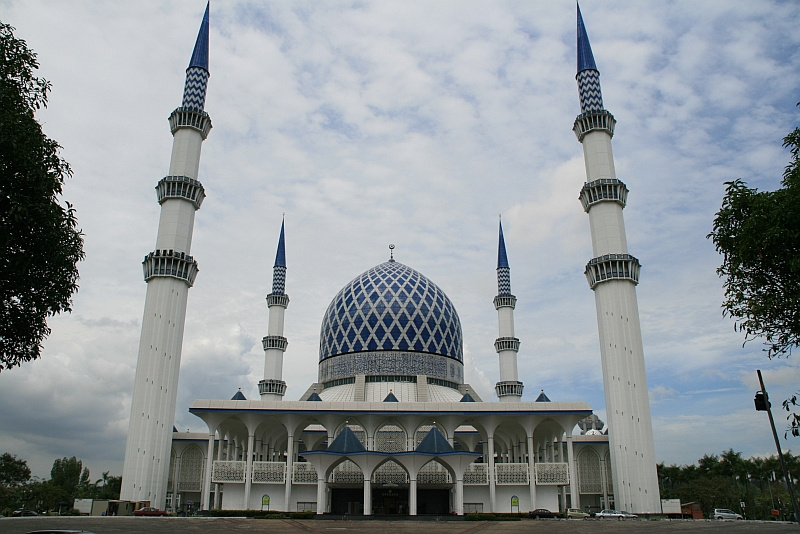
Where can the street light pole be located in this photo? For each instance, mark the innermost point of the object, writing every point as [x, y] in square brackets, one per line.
[763, 404]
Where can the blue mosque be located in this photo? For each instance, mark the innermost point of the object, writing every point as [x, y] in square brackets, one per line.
[391, 426]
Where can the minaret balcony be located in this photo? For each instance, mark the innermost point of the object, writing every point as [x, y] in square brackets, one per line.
[509, 388]
[275, 342]
[603, 190]
[190, 118]
[505, 301]
[276, 387]
[506, 343]
[594, 120]
[612, 267]
[170, 263]
[277, 300]
[181, 187]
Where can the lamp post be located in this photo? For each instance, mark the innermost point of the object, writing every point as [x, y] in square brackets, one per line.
[763, 405]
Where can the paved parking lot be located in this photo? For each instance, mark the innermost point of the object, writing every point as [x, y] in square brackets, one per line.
[159, 525]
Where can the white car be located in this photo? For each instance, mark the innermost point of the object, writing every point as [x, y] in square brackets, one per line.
[609, 514]
[724, 513]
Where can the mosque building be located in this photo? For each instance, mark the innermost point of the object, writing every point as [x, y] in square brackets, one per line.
[391, 426]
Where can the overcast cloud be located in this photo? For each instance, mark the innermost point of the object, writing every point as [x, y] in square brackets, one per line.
[414, 123]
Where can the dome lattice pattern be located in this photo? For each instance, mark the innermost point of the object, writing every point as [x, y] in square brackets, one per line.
[391, 307]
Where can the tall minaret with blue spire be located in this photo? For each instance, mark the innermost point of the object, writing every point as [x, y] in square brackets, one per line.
[613, 275]
[509, 388]
[272, 388]
[169, 271]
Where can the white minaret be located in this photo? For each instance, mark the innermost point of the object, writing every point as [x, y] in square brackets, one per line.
[169, 272]
[272, 388]
[613, 275]
[509, 388]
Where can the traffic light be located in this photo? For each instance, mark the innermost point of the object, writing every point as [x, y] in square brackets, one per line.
[762, 404]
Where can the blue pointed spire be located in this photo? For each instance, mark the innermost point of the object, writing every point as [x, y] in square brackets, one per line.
[194, 91]
[280, 256]
[279, 269]
[585, 57]
[502, 257]
[200, 53]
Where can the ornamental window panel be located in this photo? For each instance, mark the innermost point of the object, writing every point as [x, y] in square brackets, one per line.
[190, 477]
[511, 474]
[270, 472]
[228, 471]
[390, 473]
[303, 473]
[590, 478]
[477, 475]
[433, 473]
[347, 473]
[390, 438]
[552, 474]
[609, 480]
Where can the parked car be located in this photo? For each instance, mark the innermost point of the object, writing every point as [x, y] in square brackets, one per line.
[628, 515]
[574, 513]
[542, 513]
[724, 513]
[22, 513]
[149, 511]
[609, 514]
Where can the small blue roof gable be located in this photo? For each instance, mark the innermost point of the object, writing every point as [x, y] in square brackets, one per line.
[390, 398]
[200, 53]
[239, 396]
[346, 442]
[585, 57]
[314, 397]
[434, 443]
[542, 397]
[280, 256]
[467, 398]
[502, 257]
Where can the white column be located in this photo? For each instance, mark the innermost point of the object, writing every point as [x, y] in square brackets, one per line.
[367, 495]
[321, 497]
[459, 497]
[289, 466]
[573, 475]
[217, 487]
[206, 496]
[248, 474]
[412, 496]
[532, 470]
[492, 489]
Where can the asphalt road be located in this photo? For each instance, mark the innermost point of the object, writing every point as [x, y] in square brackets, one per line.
[130, 525]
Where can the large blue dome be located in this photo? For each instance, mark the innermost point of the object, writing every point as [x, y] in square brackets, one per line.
[391, 307]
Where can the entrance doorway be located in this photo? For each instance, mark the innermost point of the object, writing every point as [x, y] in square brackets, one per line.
[348, 501]
[390, 501]
[433, 501]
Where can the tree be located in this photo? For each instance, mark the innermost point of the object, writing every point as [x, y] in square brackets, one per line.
[758, 235]
[40, 244]
[13, 472]
[70, 475]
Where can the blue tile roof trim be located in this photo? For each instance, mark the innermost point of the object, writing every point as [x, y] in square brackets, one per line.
[391, 307]
[585, 56]
[346, 443]
[200, 53]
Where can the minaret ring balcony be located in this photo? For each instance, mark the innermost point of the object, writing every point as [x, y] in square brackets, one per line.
[170, 263]
[275, 342]
[594, 120]
[505, 301]
[277, 300]
[509, 388]
[603, 190]
[277, 387]
[506, 343]
[190, 118]
[612, 267]
[181, 187]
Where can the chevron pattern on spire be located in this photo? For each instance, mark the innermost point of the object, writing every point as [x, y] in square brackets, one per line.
[589, 91]
[503, 271]
[279, 269]
[194, 91]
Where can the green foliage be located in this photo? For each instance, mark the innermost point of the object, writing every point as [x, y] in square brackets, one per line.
[727, 480]
[13, 472]
[40, 244]
[758, 235]
[492, 517]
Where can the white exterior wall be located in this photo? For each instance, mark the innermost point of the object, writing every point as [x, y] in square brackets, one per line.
[507, 358]
[621, 351]
[147, 451]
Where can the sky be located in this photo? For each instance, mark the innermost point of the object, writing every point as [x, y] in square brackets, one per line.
[416, 123]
